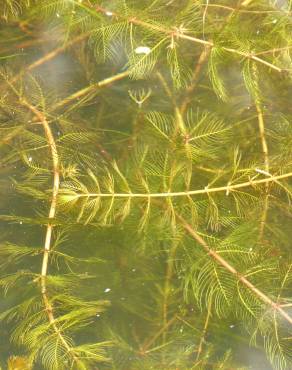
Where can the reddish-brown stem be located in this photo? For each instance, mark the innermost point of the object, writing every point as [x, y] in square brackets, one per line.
[190, 89]
[242, 279]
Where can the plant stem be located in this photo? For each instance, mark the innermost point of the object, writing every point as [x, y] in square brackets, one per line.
[47, 246]
[52, 54]
[265, 151]
[206, 190]
[181, 35]
[232, 270]
[190, 89]
[167, 285]
[157, 335]
[88, 89]
[200, 348]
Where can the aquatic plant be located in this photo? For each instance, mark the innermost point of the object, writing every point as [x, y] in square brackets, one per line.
[146, 183]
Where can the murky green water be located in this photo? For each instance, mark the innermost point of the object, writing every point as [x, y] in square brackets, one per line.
[145, 185]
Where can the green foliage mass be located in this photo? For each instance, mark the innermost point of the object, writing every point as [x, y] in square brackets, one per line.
[146, 169]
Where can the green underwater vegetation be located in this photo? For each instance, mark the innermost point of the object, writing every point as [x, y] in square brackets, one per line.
[146, 165]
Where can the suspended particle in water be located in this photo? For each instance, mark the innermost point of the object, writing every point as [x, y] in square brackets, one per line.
[107, 290]
[143, 50]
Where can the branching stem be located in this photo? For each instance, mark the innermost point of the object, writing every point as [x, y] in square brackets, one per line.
[206, 190]
[56, 183]
[241, 278]
[183, 36]
[157, 335]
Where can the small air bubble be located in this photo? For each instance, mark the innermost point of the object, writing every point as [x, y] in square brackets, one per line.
[143, 50]
[58, 15]
[97, 315]
[20, 223]
[133, 270]
[232, 326]
[107, 290]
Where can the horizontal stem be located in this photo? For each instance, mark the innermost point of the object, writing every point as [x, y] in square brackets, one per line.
[206, 190]
[180, 35]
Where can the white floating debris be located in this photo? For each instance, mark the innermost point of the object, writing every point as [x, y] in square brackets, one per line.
[232, 326]
[142, 50]
[29, 159]
[97, 315]
[250, 249]
[107, 290]
[274, 21]
[108, 13]
[58, 15]
[20, 223]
